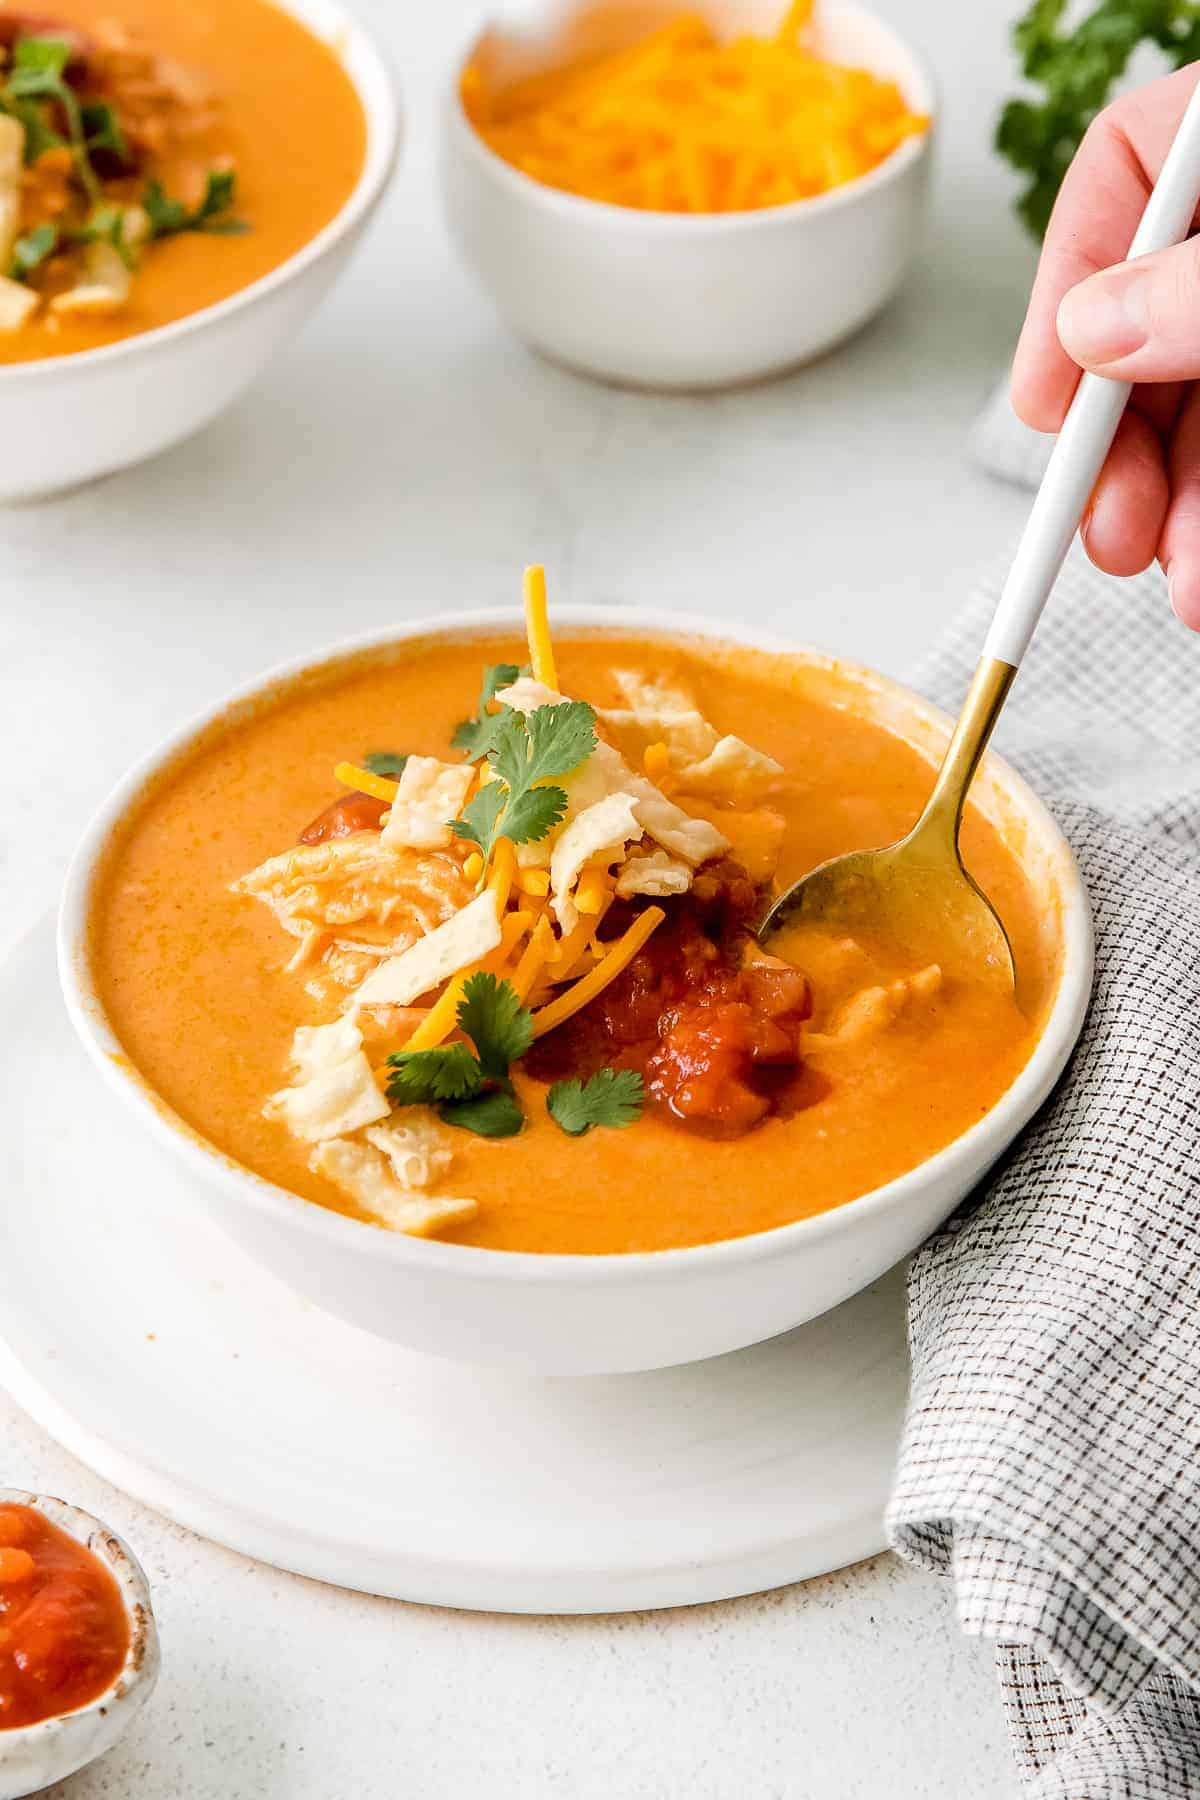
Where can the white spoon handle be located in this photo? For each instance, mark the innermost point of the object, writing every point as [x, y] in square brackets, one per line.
[1090, 426]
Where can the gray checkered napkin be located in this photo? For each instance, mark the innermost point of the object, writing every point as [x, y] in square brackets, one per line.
[1051, 1455]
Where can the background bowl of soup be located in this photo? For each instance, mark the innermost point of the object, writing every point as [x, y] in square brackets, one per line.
[208, 312]
[681, 300]
[589, 1308]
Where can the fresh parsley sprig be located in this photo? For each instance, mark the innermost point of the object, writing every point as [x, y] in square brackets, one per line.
[612, 1097]
[477, 734]
[522, 803]
[471, 1091]
[1076, 66]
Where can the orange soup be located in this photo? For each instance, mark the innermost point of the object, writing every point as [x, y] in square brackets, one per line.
[497, 978]
[156, 159]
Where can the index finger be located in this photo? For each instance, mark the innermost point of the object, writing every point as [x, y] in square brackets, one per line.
[1099, 205]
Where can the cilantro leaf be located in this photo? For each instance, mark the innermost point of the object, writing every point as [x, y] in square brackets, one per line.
[169, 216]
[32, 249]
[165, 215]
[560, 738]
[102, 129]
[472, 1092]
[480, 817]
[106, 224]
[524, 752]
[494, 1115]
[37, 73]
[534, 814]
[495, 677]
[213, 213]
[385, 762]
[613, 1097]
[40, 135]
[492, 1016]
[476, 735]
[36, 60]
[421, 1077]
[219, 190]
[551, 740]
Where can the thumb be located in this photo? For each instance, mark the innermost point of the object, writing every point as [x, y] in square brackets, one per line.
[1139, 321]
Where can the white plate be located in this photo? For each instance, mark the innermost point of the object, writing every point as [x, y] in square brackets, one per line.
[142, 1340]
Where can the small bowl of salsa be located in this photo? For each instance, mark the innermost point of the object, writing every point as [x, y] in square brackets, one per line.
[78, 1643]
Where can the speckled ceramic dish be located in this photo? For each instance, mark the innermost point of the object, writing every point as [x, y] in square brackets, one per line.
[33, 1756]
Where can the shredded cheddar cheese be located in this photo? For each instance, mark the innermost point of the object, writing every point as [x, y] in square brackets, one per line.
[593, 890]
[535, 882]
[504, 869]
[363, 782]
[473, 867]
[533, 959]
[794, 20]
[565, 951]
[583, 991]
[656, 761]
[680, 122]
[442, 1017]
[537, 627]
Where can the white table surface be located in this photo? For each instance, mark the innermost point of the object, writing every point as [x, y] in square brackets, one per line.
[403, 455]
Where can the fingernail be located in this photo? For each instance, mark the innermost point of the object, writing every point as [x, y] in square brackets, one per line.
[1183, 604]
[1105, 317]
[1184, 597]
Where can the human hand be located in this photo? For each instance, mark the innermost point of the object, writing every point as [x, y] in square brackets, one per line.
[1139, 323]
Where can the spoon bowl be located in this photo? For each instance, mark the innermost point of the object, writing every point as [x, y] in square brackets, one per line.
[911, 892]
[917, 893]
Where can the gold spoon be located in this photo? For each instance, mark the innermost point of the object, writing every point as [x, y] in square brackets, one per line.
[918, 889]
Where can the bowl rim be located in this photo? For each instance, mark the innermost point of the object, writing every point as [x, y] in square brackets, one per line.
[969, 1154]
[676, 225]
[139, 1671]
[378, 94]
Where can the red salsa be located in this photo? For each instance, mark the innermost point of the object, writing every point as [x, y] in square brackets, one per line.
[716, 1038]
[64, 1629]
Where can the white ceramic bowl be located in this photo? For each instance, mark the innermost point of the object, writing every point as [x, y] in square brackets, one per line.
[598, 1314]
[69, 419]
[676, 300]
[33, 1756]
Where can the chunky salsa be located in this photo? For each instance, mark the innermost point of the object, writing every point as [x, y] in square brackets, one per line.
[504, 986]
[64, 1629]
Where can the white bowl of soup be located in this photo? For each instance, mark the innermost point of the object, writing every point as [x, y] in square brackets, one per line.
[677, 289]
[168, 226]
[707, 1151]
